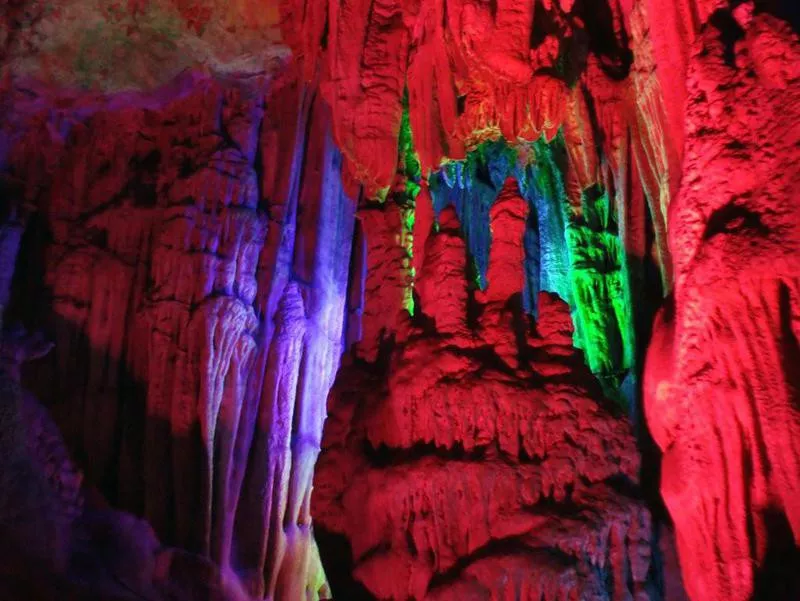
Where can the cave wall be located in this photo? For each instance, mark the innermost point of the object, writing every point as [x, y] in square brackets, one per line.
[418, 187]
[722, 388]
[191, 243]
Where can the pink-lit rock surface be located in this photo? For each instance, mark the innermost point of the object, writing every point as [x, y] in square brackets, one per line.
[722, 387]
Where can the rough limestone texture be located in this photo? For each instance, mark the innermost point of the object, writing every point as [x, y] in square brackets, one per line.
[190, 243]
[480, 461]
[722, 384]
[197, 256]
[474, 71]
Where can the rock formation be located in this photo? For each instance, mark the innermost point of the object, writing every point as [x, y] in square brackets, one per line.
[197, 306]
[481, 462]
[475, 207]
[547, 78]
[636, 89]
[722, 386]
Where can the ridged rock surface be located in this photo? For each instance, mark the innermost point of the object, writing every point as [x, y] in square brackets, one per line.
[480, 461]
[722, 378]
[191, 242]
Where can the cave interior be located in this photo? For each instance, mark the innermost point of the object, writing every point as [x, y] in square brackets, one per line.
[400, 300]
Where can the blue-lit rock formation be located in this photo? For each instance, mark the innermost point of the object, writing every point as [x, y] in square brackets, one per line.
[577, 254]
[193, 245]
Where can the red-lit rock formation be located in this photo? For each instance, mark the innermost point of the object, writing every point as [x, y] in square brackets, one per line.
[465, 72]
[441, 284]
[203, 254]
[385, 278]
[722, 384]
[194, 262]
[480, 463]
[700, 82]
[480, 70]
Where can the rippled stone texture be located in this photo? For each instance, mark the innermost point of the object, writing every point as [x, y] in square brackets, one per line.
[722, 380]
[481, 462]
[193, 262]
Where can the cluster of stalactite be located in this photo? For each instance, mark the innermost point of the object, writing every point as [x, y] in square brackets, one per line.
[579, 255]
[568, 104]
[469, 198]
[188, 256]
[601, 102]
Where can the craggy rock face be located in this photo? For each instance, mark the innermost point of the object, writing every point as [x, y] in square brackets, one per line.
[722, 377]
[481, 464]
[198, 285]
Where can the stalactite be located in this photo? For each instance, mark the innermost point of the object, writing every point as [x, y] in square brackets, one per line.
[442, 285]
[476, 201]
[180, 224]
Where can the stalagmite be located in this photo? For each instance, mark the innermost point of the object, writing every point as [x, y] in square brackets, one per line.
[352, 299]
